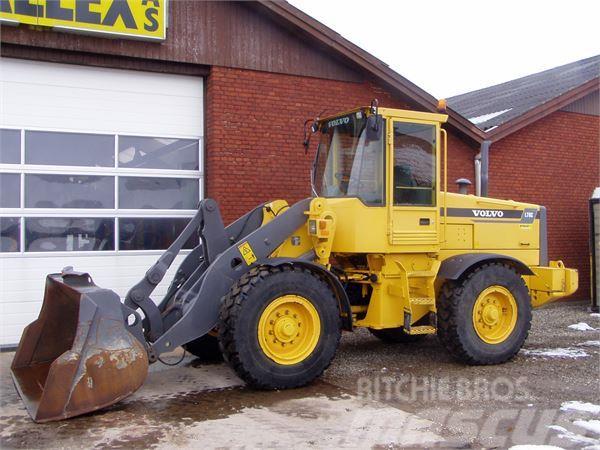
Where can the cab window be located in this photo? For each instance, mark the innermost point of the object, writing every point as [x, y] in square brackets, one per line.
[414, 164]
[348, 163]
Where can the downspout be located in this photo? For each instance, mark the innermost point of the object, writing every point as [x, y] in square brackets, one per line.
[482, 169]
[478, 175]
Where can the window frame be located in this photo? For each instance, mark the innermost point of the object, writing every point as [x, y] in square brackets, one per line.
[436, 159]
[384, 149]
[115, 213]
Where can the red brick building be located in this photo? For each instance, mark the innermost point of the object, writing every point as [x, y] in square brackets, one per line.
[209, 103]
[544, 131]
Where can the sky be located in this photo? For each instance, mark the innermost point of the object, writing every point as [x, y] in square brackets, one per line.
[455, 46]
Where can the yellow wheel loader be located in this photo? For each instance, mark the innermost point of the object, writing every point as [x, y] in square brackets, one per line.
[381, 244]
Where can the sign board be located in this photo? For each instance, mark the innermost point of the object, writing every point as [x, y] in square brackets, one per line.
[127, 19]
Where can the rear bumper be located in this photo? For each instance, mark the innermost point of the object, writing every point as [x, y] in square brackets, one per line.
[551, 283]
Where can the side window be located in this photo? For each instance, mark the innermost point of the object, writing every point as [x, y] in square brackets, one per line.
[414, 164]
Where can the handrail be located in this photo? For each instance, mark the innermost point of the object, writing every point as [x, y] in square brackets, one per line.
[445, 143]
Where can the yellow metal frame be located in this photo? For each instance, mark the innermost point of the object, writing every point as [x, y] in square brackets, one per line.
[445, 193]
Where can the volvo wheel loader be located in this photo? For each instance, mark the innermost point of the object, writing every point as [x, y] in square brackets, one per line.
[381, 244]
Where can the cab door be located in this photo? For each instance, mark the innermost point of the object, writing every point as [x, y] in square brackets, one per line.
[413, 187]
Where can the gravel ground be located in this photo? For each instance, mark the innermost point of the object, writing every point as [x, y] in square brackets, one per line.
[488, 405]
[374, 395]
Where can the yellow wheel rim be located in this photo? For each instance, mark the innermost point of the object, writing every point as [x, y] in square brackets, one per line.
[495, 314]
[289, 329]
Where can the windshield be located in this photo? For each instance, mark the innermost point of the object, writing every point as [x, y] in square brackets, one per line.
[348, 164]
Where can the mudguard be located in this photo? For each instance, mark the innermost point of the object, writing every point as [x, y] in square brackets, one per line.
[334, 282]
[453, 268]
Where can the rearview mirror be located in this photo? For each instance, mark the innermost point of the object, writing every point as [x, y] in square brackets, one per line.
[374, 127]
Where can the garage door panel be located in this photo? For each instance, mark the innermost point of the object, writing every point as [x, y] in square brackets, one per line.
[35, 73]
[82, 98]
[68, 113]
[68, 98]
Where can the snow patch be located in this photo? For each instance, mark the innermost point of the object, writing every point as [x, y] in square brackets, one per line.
[596, 315]
[580, 406]
[590, 344]
[589, 425]
[581, 326]
[563, 433]
[535, 447]
[486, 117]
[556, 352]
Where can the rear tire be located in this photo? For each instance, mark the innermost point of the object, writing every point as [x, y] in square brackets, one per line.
[485, 317]
[206, 348]
[396, 335]
[279, 327]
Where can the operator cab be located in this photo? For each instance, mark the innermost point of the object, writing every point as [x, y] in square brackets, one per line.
[389, 159]
[351, 157]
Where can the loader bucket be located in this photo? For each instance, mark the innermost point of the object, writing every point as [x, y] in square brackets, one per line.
[77, 356]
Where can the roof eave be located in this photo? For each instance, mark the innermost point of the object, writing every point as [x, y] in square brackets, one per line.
[370, 64]
[543, 110]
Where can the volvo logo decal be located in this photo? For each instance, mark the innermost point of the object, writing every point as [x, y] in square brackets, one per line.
[494, 213]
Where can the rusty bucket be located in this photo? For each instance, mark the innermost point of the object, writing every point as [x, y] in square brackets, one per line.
[78, 356]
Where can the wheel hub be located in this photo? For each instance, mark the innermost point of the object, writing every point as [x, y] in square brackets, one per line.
[494, 314]
[285, 329]
[490, 315]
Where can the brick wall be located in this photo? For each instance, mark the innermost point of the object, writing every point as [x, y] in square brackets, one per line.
[553, 162]
[254, 134]
[460, 162]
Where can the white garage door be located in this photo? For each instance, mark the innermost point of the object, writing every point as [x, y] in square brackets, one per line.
[100, 169]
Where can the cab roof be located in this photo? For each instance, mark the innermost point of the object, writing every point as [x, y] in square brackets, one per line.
[393, 113]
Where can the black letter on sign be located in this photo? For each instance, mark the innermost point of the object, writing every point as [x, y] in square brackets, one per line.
[153, 25]
[55, 11]
[5, 6]
[119, 8]
[27, 9]
[83, 13]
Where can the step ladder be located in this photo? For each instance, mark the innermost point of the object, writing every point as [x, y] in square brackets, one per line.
[426, 297]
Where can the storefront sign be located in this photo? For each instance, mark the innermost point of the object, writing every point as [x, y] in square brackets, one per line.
[130, 19]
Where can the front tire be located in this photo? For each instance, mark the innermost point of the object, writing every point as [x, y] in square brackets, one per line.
[485, 317]
[279, 327]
